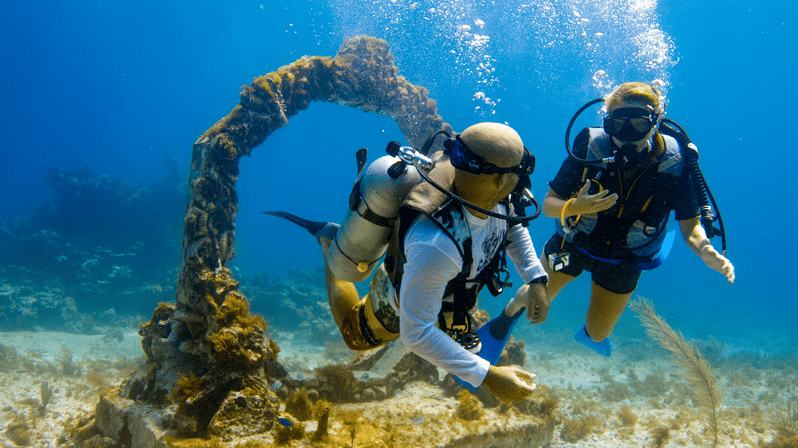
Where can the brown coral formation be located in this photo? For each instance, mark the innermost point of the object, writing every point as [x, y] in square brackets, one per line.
[362, 75]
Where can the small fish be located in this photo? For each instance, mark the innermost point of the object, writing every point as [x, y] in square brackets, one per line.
[300, 377]
[283, 421]
[419, 418]
[364, 377]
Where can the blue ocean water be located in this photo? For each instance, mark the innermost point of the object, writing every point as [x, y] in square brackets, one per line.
[115, 86]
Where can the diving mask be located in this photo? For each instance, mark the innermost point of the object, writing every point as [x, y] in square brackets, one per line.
[630, 124]
[464, 159]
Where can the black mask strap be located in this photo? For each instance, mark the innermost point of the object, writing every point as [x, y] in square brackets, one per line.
[464, 159]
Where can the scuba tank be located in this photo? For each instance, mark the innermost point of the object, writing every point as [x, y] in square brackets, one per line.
[376, 198]
[373, 206]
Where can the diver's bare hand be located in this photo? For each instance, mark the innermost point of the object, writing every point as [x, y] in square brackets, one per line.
[534, 298]
[509, 383]
[591, 203]
[728, 270]
[539, 303]
[718, 262]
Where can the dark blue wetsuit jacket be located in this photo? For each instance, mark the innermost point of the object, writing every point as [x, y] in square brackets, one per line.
[647, 192]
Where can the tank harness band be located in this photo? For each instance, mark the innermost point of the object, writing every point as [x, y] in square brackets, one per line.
[364, 211]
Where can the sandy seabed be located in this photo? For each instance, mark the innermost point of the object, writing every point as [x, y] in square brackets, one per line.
[633, 399]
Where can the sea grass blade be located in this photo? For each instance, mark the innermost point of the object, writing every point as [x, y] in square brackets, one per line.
[698, 371]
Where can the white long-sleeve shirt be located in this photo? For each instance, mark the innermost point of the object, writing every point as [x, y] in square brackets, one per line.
[432, 261]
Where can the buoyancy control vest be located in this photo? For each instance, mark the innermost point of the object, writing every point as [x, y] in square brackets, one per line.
[461, 292]
[635, 226]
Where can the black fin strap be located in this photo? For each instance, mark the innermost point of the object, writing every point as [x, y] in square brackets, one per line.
[365, 331]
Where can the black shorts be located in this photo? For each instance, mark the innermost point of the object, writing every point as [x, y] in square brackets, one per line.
[618, 279]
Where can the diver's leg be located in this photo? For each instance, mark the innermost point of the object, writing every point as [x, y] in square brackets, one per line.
[604, 311]
[540, 306]
[353, 315]
[557, 280]
[345, 304]
[343, 295]
[569, 272]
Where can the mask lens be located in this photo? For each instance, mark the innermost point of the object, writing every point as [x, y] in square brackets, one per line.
[461, 160]
[642, 125]
[527, 165]
[613, 126]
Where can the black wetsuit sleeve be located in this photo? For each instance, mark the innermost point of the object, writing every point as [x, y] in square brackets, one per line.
[569, 179]
[684, 200]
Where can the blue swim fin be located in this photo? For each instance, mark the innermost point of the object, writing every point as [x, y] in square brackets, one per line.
[602, 348]
[494, 336]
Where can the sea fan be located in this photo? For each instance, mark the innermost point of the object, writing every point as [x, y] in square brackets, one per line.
[698, 371]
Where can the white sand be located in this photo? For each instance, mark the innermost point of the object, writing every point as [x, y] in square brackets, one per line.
[99, 360]
[751, 398]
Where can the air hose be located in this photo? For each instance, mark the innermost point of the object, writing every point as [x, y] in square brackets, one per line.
[690, 153]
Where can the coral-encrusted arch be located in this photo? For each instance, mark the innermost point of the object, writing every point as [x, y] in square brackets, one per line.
[209, 331]
[361, 75]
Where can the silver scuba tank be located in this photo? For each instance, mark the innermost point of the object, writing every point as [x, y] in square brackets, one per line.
[367, 227]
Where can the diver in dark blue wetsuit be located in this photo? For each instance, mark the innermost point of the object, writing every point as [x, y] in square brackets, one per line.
[612, 207]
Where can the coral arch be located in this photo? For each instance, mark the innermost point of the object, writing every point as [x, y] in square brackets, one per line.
[209, 332]
[361, 75]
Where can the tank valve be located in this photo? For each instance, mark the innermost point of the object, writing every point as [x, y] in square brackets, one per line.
[411, 156]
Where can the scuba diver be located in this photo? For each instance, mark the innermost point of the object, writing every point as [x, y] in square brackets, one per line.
[611, 200]
[446, 238]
